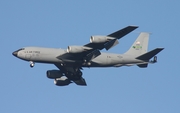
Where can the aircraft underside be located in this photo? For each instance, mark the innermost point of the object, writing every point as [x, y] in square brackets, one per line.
[70, 61]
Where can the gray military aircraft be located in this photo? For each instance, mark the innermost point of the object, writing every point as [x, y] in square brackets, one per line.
[70, 61]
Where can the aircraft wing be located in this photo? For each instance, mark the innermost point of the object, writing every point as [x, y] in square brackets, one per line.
[82, 55]
[74, 71]
[91, 50]
[110, 40]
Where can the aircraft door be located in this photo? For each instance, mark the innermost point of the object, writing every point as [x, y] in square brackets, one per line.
[108, 60]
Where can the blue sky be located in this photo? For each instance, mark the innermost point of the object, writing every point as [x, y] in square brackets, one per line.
[55, 23]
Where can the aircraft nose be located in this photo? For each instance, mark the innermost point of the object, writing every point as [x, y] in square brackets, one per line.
[15, 53]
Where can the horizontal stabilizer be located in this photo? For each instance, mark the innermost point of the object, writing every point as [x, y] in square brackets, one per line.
[150, 54]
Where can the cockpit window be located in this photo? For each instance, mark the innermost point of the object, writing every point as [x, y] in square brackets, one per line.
[20, 49]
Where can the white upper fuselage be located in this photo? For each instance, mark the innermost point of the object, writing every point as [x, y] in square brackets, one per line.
[52, 55]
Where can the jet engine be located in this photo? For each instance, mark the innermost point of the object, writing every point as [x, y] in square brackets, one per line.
[155, 58]
[100, 39]
[62, 81]
[75, 49]
[53, 74]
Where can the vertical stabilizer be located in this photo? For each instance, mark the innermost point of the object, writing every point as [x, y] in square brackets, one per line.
[140, 46]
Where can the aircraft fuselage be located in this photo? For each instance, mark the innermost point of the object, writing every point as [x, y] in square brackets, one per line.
[72, 60]
[53, 55]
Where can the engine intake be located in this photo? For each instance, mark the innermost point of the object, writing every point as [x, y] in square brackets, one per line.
[155, 59]
[53, 74]
[62, 81]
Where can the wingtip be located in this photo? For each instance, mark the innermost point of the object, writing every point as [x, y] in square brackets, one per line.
[134, 26]
[160, 48]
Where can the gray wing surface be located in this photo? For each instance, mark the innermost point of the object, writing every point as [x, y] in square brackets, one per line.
[80, 81]
[117, 35]
[73, 61]
[95, 48]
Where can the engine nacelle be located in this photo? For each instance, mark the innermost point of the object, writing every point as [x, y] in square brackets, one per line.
[75, 49]
[62, 81]
[155, 59]
[100, 39]
[53, 74]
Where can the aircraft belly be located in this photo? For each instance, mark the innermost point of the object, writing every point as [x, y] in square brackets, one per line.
[115, 61]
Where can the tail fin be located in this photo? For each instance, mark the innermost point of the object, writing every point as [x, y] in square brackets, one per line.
[140, 46]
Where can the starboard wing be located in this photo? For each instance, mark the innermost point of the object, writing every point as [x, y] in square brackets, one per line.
[113, 40]
[92, 50]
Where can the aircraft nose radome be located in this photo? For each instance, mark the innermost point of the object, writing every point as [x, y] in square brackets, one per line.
[15, 53]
